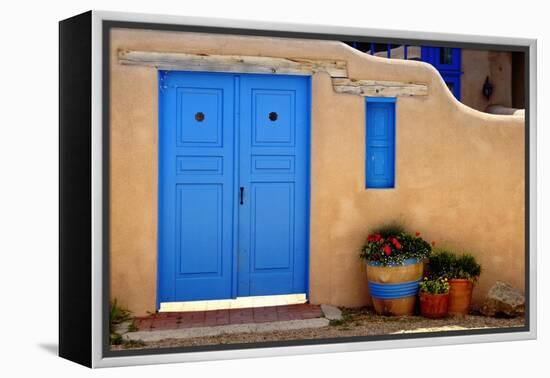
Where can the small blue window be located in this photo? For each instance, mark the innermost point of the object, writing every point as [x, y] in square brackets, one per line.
[380, 142]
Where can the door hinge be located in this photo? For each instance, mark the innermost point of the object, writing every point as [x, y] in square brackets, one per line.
[162, 79]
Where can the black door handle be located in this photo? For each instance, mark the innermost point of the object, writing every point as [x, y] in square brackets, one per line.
[242, 195]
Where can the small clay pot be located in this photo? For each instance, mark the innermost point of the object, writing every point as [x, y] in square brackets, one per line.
[460, 296]
[434, 306]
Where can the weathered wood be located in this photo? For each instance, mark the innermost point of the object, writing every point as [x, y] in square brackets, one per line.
[337, 69]
[233, 63]
[378, 88]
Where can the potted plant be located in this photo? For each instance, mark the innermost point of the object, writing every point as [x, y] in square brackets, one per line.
[434, 297]
[395, 263]
[462, 272]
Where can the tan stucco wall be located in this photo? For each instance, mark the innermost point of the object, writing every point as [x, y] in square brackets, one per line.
[476, 66]
[459, 173]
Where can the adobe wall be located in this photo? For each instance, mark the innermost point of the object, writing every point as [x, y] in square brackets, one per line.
[459, 172]
[476, 66]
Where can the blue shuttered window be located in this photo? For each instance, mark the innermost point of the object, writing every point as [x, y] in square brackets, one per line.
[380, 142]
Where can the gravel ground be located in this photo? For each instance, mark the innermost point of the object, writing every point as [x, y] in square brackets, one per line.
[356, 322]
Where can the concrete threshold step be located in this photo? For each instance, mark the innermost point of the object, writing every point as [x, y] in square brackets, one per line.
[188, 333]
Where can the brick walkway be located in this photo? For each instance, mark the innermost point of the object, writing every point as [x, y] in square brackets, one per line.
[176, 320]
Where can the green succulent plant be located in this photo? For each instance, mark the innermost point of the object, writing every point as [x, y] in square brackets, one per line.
[447, 264]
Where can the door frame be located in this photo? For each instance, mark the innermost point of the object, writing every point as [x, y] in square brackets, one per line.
[236, 174]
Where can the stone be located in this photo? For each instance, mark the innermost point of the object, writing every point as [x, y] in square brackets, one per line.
[503, 299]
[331, 312]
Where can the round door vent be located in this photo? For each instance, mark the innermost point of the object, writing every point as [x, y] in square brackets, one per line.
[273, 116]
[199, 116]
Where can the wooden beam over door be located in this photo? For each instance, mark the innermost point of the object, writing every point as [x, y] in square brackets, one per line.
[233, 63]
[378, 88]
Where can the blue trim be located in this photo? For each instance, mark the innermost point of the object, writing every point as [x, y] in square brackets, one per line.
[406, 262]
[380, 99]
[393, 290]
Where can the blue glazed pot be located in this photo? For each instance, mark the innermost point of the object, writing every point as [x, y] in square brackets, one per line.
[394, 288]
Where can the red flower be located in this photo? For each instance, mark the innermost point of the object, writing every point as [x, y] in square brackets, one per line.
[396, 243]
[417, 234]
[387, 250]
[433, 243]
[375, 238]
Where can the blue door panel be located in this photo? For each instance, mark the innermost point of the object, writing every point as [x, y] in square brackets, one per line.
[274, 118]
[272, 225]
[273, 222]
[193, 165]
[233, 185]
[192, 102]
[272, 164]
[198, 229]
[196, 186]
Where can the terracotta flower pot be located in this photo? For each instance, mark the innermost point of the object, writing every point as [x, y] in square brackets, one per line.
[460, 296]
[394, 288]
[434, 306]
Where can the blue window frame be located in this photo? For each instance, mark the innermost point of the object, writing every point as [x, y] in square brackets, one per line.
[380, 143]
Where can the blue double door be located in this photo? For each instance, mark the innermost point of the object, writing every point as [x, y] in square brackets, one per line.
[233, 185]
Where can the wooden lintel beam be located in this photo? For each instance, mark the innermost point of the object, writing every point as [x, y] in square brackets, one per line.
[337, 69]
[377, 88]
[233, 63]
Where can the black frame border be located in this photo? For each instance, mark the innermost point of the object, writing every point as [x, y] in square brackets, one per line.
[75, 188]
[108, 25]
